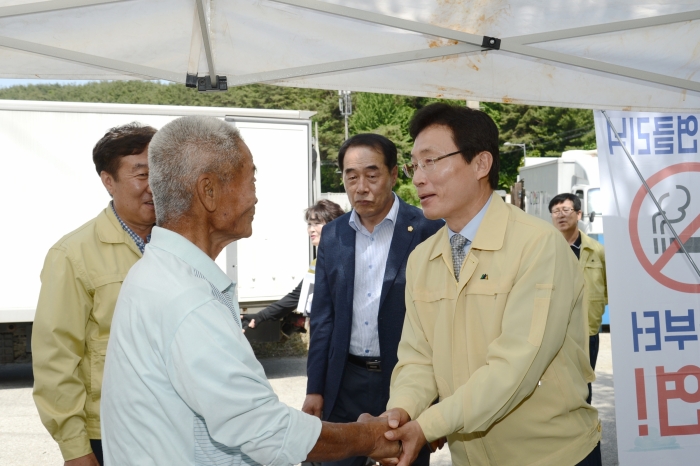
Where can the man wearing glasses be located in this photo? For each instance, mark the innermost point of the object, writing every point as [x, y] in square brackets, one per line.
[358, 307]
[495, 326]
[566, 213]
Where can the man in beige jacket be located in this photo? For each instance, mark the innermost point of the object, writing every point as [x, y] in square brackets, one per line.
[82, 276]
[495, 326]
[566, 213]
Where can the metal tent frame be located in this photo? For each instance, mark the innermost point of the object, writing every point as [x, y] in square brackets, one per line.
[466, 44]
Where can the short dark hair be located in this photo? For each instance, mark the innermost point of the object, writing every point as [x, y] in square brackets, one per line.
[560, 198]
[375, 141]
[324, 210]
[473, 131]
[118, 142]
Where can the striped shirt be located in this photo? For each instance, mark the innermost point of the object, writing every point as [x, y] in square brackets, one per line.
[140, 243]
[371, 253]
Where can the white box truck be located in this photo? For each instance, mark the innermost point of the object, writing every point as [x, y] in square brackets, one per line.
[576, 172]
[49, 187]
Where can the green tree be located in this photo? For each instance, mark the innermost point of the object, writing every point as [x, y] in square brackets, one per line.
[388, 115]
[547, 131]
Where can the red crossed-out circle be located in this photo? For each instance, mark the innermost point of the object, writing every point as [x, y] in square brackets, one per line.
[655, 269]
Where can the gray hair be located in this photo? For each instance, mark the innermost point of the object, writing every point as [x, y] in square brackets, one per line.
[183, 150]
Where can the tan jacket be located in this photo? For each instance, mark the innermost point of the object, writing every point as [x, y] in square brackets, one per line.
[80, 281]
[592, 264]
[505, 349]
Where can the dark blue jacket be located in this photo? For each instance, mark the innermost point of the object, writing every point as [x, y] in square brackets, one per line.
[331, 311]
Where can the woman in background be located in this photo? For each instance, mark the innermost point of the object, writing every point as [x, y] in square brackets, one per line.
[324, 211]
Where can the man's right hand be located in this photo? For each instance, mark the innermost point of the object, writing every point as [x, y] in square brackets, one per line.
[87, 460]
[396, 417]
[383, 448]
[313, 404]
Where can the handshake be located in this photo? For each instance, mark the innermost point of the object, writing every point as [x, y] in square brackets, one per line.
[391, 438]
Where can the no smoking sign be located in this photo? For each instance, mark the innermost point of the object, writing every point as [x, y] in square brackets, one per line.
[677, 188]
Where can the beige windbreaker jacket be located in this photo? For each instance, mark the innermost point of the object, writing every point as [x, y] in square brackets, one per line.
[595, 296]
[80, 281]
[505, 349]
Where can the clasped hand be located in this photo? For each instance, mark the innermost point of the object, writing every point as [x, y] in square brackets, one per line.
[410, 435]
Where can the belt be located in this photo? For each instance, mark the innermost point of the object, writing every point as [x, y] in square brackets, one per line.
[372, 364]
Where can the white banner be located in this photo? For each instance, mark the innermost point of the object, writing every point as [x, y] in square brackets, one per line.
[654, 292]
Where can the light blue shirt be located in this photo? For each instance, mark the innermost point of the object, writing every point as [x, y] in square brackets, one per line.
[470, 229]
[181, 383]
[371, 253]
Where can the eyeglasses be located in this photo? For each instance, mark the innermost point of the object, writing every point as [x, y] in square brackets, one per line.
[427, 165]
[563, 211]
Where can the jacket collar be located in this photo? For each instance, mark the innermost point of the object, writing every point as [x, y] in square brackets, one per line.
[586, 241]
[489, 236]
[402, 243]
[586, 248]
[110, 231]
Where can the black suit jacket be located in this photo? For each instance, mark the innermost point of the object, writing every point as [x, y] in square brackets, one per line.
[331, 309]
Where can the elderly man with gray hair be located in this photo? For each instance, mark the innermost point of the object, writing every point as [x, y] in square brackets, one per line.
[182, 385]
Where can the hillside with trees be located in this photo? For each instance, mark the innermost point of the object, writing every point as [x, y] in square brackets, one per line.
[547, 131]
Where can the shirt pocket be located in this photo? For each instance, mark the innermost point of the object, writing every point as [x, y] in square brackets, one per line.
[98, 351]
[434, 305]
[593, 274]
[107, 289]
[485, 304]
[430, 294]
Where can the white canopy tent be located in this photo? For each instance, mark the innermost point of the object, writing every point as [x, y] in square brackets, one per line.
[604, 54]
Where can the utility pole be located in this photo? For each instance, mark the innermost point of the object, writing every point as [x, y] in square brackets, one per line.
[345, 105]
[522, 146]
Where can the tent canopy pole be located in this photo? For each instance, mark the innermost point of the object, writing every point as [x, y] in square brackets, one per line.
[91, 60]
[517, 45]
[206, 39]
[352, 64]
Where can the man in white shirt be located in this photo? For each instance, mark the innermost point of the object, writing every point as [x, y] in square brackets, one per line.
[182, 385]
[358, 308]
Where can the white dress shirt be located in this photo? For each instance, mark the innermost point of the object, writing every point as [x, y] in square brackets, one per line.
[371, 253]
[470, 229]
[181, 383]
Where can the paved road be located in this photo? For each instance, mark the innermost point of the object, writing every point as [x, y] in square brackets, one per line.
[25, 441]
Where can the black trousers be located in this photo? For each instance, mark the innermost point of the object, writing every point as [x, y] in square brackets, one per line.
[361, 392]
[594, 458]
[593, 346]
[96, 445]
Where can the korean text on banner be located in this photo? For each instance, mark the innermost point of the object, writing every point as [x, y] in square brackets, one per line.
[653, 289]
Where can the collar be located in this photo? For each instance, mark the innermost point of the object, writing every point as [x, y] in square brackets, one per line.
[140, 243]
[579, 241]
[108, 228]
[470, 229]
[489, 235]
[178, 245]
[110, 231]
[356, 225]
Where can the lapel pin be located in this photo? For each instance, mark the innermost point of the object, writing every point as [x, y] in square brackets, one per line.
[410, 228]
[485, 277]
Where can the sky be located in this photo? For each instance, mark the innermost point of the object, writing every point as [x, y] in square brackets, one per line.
[24, 82]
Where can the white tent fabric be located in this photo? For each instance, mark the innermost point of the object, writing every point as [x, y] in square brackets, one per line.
[603, 54]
